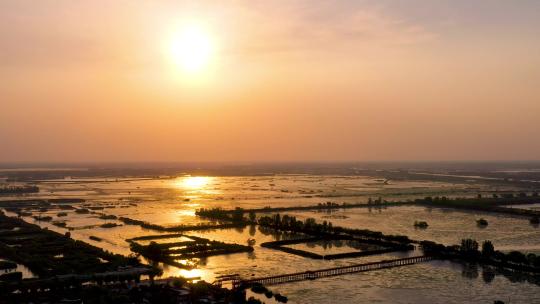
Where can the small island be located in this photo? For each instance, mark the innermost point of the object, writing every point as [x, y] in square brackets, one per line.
[421, 224]
[482, 223]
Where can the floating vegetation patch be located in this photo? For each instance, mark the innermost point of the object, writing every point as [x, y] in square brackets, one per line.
[108, 217]
[38, 248]
[60, 224]
[180, 228]
[109, 225]
[95, 238]
[170, 253]
[43, 218]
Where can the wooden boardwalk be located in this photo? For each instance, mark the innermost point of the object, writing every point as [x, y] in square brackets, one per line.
[322, 273]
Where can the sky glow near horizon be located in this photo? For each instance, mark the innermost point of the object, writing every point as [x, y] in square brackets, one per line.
[269, 80]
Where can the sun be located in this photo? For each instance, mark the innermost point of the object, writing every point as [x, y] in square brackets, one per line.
[192, 48]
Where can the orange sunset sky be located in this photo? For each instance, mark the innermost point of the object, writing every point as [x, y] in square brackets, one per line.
[269, 80]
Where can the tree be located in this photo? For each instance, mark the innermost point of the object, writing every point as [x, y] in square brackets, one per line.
[238, 214]
[277, 220]
[469, 245]
[252, 216]
[517, 257]
[532, 258]
[153, 251]
[487, 249]
[309, 223]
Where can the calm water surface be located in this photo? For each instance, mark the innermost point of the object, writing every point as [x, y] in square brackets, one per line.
[174, 201]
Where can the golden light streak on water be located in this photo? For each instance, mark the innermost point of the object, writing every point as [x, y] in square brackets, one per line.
[194, 182]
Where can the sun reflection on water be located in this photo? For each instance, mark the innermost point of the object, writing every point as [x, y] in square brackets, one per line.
[193, 182]
[188, 212]
[195, 273]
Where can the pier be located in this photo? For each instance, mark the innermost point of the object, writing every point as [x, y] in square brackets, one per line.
[322, 273]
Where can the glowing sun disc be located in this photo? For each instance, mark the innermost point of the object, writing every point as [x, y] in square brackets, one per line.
[191, 48]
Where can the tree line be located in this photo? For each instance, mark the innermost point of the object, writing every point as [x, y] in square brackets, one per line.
[470, 250]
